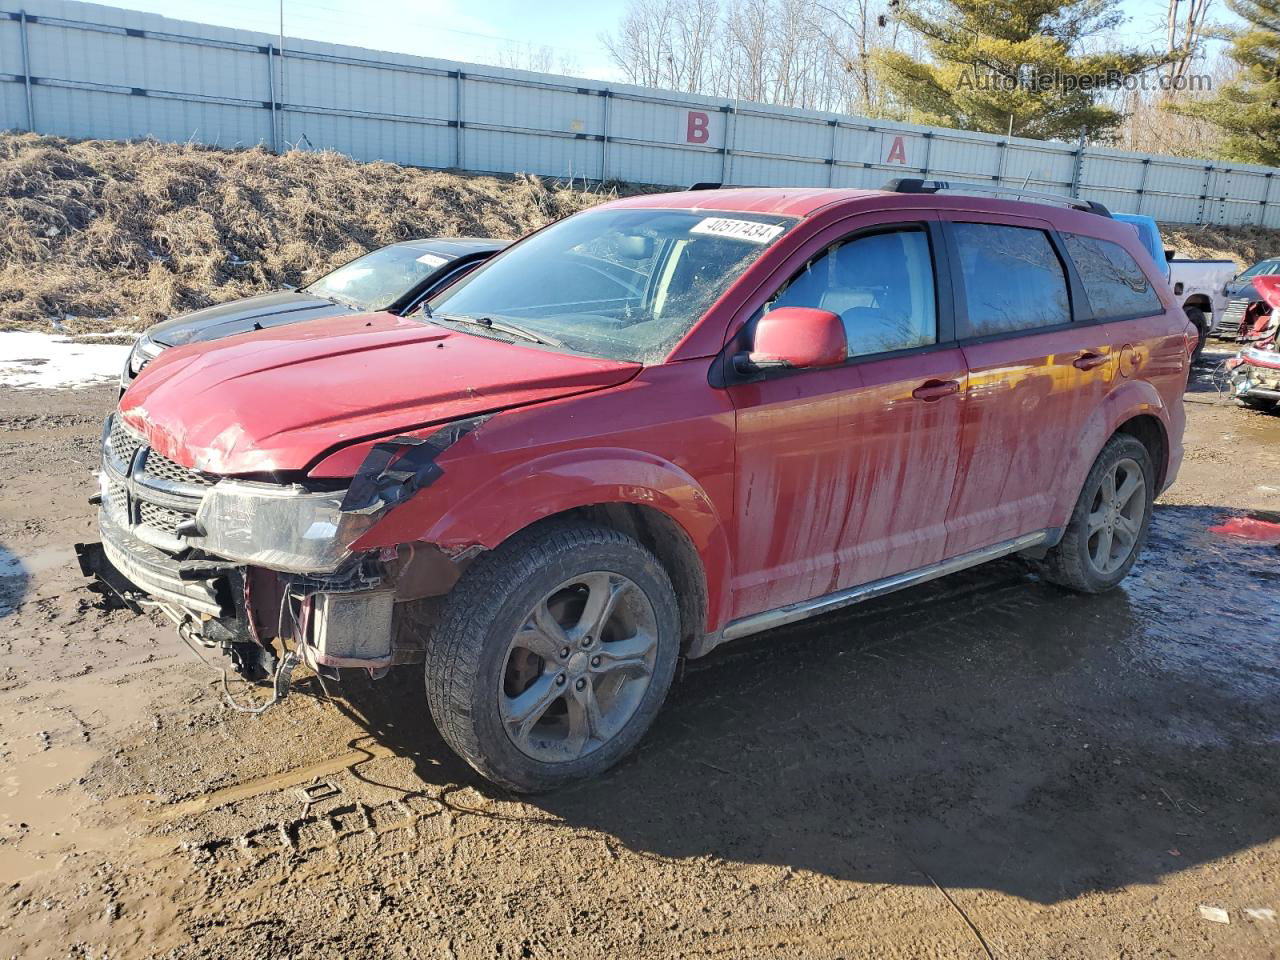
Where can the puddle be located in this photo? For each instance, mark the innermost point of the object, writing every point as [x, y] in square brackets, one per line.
[49, 743]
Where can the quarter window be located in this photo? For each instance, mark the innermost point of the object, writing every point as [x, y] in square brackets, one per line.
[1116, 285]
[1013, 279]
[880, 285]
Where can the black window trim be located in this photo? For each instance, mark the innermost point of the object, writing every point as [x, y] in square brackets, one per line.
[1075, 289]
[722, 373]
[1093, 317]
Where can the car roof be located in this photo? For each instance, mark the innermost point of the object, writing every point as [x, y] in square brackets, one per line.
[785, 201]
[802, 202]
[454, 247]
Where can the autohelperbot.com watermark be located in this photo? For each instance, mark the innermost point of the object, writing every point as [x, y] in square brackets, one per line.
[1043, 81]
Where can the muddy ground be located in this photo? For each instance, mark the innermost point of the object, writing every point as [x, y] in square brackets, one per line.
[987, 766]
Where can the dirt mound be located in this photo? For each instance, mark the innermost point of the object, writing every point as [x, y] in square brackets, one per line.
[115, 234]
[130, 233]
[1245, 245]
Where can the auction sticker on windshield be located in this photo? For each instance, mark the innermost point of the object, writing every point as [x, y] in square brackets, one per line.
[748, 230]
[431, 260]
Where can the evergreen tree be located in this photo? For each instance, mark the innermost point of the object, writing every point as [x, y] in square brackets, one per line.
[1003, 66]
[1248, 109]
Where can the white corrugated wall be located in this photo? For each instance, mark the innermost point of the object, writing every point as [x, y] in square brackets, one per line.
[84, 70]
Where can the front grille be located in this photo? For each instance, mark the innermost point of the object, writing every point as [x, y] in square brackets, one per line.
[164, 468]
[133, 502]
[160, 518]
[118, 501]
[122, 443]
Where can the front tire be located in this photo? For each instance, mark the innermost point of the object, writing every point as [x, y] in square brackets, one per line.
[552, 655]
[1109, 524]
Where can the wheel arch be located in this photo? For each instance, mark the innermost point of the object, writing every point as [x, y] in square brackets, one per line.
[663, 536]
[1134, 407]
[637, 493]
[1200, 301]
[1152, 433]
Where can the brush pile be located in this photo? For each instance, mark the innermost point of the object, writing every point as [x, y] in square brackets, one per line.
[104, 233]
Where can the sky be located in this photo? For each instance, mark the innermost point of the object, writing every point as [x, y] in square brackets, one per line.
[481, 31]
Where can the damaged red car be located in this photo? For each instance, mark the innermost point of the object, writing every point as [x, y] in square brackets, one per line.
[658, 425]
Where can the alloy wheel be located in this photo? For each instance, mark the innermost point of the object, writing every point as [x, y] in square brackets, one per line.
[1116, 515]
[577, 668]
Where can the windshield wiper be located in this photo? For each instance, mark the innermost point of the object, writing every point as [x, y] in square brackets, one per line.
[502, 326]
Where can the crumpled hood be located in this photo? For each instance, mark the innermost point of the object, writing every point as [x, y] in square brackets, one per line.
[278, 399]
[240, 316]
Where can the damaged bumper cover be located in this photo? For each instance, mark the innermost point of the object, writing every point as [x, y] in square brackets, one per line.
[1255, 374]
[244, 562]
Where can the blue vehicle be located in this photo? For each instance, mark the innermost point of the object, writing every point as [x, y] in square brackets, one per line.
[1199, 286]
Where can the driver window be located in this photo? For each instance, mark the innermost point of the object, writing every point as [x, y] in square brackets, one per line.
[881, 287]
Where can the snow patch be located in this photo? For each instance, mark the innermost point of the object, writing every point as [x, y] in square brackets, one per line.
[51, 361]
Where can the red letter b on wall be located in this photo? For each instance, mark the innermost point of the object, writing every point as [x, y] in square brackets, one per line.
[699, 127]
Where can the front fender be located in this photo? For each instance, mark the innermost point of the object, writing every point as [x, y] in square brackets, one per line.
[1131, 398]
[488, 513]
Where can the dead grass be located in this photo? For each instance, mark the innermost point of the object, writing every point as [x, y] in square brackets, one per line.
[1245, 245]
[124, 234]
[115, 234]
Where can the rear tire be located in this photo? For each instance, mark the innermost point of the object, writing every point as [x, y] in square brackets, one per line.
[1196, 316]
[1110, 522]
[552, 655]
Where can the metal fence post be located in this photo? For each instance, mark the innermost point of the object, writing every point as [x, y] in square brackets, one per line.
[1266, 199]
[928, 152]
[458, 155]
[271, 91]
[1079, 166]
[1204, 193]
[604, 143]
[26, 70]
[1142, 184]
[831, 159]
[730, 129]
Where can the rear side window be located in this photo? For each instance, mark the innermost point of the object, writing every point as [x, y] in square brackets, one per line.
[880, 285]
[1013, 279]
[1116, 285]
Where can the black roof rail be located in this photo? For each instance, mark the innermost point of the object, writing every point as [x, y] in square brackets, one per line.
[917, 185]
[706, 185]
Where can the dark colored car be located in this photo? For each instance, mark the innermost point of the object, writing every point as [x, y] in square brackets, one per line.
[1245, 302]
[655, 426]
[395, 278]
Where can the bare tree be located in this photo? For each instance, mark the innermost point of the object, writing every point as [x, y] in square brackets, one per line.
[543, 59]
[803, 53]
[1184, 29]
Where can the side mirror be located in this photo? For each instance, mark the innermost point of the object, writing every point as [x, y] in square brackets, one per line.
[1169, 255]
[798, 338]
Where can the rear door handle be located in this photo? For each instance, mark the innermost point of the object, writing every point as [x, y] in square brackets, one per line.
[933, 390]
[1088, 361]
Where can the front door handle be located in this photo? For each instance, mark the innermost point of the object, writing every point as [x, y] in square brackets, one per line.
[934, 390]
[1088, 361]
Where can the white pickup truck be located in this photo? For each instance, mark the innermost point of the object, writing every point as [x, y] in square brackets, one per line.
[1200, 286]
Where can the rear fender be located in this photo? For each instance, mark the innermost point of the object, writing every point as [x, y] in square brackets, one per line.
[1129, 399]
[488, 514]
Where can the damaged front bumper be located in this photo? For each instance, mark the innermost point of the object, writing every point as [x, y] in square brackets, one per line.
[264, 570]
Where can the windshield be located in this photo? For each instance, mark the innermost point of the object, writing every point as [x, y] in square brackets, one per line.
[1264, 269]
[622, 284]
[377, 280]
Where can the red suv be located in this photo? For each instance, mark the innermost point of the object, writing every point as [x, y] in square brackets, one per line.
[661, 424]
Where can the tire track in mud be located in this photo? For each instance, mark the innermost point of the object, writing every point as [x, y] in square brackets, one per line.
[274, 782]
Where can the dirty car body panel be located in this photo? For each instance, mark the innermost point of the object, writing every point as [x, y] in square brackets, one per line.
[363, 469]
